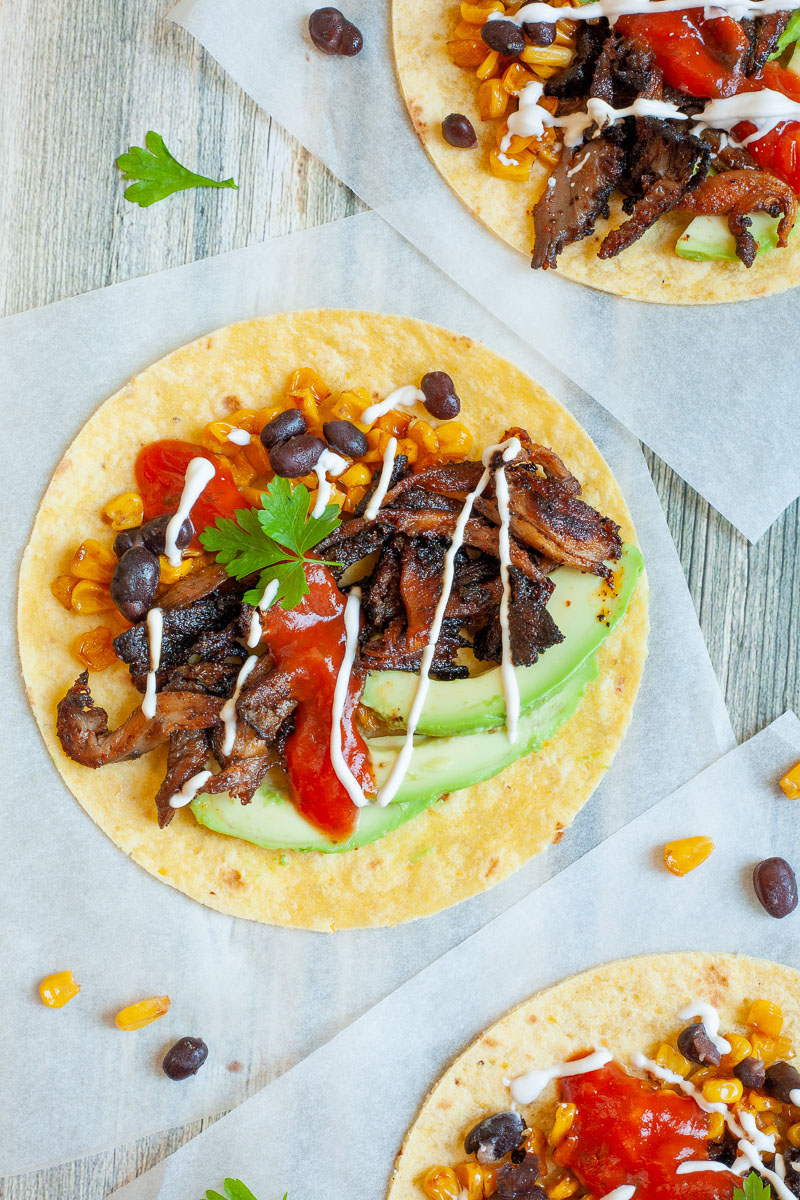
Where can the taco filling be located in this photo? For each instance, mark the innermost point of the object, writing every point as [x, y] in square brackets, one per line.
[694, 111]
[707, 1117]
[336, 612]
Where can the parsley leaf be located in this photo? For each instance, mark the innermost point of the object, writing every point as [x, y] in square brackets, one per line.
[755, 1188]
[273, 540]
[790, 35]
[159, 173]
[235, 1190]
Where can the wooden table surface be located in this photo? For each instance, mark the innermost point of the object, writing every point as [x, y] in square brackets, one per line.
[83, 79]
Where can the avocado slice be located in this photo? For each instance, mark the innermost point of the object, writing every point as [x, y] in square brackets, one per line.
[583, 607]
[438, 766]
[708, 239]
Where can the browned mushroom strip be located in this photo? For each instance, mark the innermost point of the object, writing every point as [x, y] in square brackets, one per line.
[188, 755]
[735, 193]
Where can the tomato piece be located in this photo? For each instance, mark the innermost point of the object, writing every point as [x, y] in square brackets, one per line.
[778, 151]
[696, 56]
[776, 77]
[160, 474]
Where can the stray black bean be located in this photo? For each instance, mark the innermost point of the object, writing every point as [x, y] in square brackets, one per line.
[289, 423]
[781, 1080]
[541, 33]
[441, 400]
[154, 534]
[493, 1137]
[332, 33]
[296, 457]
[505, 37]
[695, 1044]
[775, 886]
[185, 1058]
[459, 131]
[345, 437]
[127, 538]
[750, 1071]
[135, 582]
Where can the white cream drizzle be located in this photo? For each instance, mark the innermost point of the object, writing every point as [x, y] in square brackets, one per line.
[189, 790]
[710, 1018]
[328, 463]
[794, 1096]
[529, 1087]
[626, 1192]
[255, 630]
[228, 711]
[199, 474]
[377, 497]
[155, 630]
[402, 397]
[352, 614]
[694, 1166]
[239, 437]
[612, 9]
[578, 165]
[507, 672]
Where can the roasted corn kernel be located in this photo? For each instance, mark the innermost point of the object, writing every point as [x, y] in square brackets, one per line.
[215, 436]
[791, 782]
[144, 1012]
[515, 78]
[358, 475]
[241, 470]
[793, 1135]
[516, 169]
[455, 440]
[740, 1048]
[555, 57]
[770, 1049]
[760, 1102]
[93, 560]
[170, 574]
[673, 1060]
[478, 14]
[353, 498]
[307, 379]
[95, 648]
[723, 1091]
[489, 69]
[57, 990]
[470, 1176]
[247, 419]
[716, 1126]
[562, 1123]
[90, 597]
[467, 54]
[125, 511]
[409, 448]
[492, 99]
[393, 422]
[766, 1017]
[685, 854]
[440, 1183]
[424, 435]
[61, 587]
[561, 1188]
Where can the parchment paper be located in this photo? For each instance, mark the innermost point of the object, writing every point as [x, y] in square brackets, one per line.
[71, 1082]
[708, 388]
[333, 1125]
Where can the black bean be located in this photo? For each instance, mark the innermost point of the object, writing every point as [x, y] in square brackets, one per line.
[185, 1058]
[781, 1080]
[722, 1151]
[505, 37]
[290, 423]
[517, 1181]
[127, 538]
[154, 534]
[695, 1044]
[776, 886]
[441, 400]
[751, 1072]
[493, 1137]
[332, 33]
[346, 437]
[134, 583]
[541, 33]
[459, 131]
[296, 457]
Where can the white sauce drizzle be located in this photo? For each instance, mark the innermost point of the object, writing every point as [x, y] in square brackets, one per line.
[190, 789]
[794, 1096]
[328, 463]
[239, 437]
[696, 1166]
[155, 629]
[507, 672]
[376, 500]
[612, 9]
[255, 630]
[528, 1087]
[710, 1018]
[626, 1192]
[228, 711]
[402, 397]
[352, 613]
[574, 170]
[199, 474]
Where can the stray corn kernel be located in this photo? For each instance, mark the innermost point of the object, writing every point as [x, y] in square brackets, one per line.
[61, 587]
[766, 1017]
[440, 1183]
[723, 1091]
[144, 1012]
[125, 511]
[716, 1126]
[93, 560]
[57, 990]
[95, 648]
[673, 1060]
[562, 1122]
[90, 597]
[685, 854]
[791, 782]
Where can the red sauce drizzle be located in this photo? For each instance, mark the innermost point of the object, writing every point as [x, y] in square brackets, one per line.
[625, 1132]
[160, 476]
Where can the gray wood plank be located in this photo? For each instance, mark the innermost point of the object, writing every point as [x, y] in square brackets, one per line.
[82, 79]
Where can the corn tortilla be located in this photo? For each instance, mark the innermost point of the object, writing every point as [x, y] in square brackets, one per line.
[478, 836]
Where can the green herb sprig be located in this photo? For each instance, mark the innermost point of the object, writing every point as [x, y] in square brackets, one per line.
[755, 1188]
[234, 1190]
[273, 540]
[159, 173]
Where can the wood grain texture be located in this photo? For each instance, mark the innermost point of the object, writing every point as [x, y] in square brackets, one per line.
[82, 79]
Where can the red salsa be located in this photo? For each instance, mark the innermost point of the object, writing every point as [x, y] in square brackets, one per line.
[160, 475]
[626, 1132]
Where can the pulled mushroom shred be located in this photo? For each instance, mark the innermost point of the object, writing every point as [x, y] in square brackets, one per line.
[754, 1129]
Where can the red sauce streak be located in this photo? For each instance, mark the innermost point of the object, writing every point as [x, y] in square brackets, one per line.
[160, 475]
[625, 1132]
[308, 642]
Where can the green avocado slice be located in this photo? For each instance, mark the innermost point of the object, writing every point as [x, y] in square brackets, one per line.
[708, 239]
[583, 607]
[438, 766]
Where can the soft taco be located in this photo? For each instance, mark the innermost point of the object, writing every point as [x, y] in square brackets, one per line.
[644, 150]
[667, 1077]
[332, 619]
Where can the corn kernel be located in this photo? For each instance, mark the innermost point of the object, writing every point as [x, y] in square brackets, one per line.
[241, 470]
[515, 78]
[170, 574]
[562, 1123]
[246, 419]
[394, 422]
[518, 169]
[467, 54]
[440, 1183]
[256, 454]
[766, 1124]
[125, 511]
[488, 70]
[93, 560]
[791, 782]
[770, 1049]
[464, 30]
[685, 854]
[478, 14]
[470, 1177]
[554, 57]
[766, 1017]
[455, 440]
[424, 435]
[492, 100]
[144, 1012]
[673, 1060]
[549, 151]
[740, 1049]
[723, 1091]
[95, 648]
[61, 587]
[307, 379]
[264, 415]
[567, 1185]
[759, 1102]
[534, 1142]
[90, 597]
[716, 1126]
[409, 448]
[353, 498]
[793, 1136]
[356, 476]
[515, 144]
[701, 1074]
[58, 989]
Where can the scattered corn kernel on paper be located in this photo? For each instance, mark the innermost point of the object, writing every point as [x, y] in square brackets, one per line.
[262, 998]
[342, 1114]
[695, 383]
